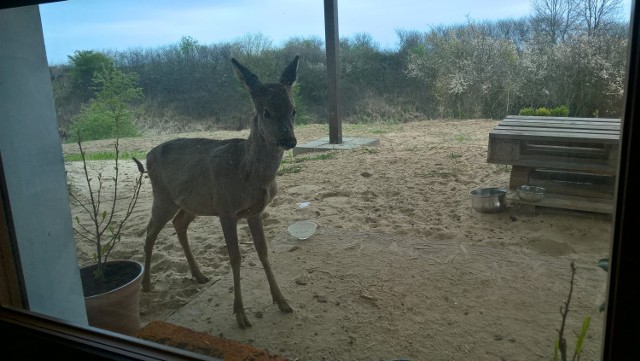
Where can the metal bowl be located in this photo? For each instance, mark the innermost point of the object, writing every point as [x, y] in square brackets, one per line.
[530, 193]
[489, 200]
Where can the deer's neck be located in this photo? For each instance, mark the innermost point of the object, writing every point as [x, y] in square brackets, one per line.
[261, 159]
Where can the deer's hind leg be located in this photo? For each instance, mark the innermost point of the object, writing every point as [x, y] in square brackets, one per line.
[181, 222]
[161, 213]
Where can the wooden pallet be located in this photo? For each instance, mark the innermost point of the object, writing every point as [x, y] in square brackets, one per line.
[574, 159]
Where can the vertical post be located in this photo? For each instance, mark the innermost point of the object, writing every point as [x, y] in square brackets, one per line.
[333, 70]
[33, 167]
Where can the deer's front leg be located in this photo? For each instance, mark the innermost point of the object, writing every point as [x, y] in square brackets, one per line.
[257, 232]
[230, 231]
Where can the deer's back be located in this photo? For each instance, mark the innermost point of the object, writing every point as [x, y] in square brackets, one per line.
[195, 173]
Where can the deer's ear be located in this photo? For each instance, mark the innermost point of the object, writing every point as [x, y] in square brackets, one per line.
[248, 79]
[290, 73]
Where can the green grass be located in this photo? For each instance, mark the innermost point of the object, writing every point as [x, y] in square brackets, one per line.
[292, 164]
[437, 174]
[462, 137]
[376, 128]
[75, 157]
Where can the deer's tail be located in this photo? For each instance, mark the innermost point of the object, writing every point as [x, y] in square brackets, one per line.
[139, 164]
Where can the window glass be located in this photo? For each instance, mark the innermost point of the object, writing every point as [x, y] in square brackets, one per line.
[412, 237]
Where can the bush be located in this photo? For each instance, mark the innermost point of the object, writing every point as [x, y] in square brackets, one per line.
[559, 111]
[527, 111]
[94, 124]
[543, 112]
[108, 115]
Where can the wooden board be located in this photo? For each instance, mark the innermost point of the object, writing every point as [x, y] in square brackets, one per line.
[574, 159]
[579, 144]
[571, 202]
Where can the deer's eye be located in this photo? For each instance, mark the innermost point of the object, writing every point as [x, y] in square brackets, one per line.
[266, 114]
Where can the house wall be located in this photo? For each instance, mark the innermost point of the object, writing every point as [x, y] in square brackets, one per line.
[34, 170]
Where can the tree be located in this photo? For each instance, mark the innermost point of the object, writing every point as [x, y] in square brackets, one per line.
[84, 65]
[555, 18]
[108, 115]
[597, 15]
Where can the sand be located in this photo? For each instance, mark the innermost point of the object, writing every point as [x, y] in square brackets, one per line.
[400, 267]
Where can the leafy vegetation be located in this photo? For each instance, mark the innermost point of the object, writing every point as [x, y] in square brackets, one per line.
[293, 164]
[560, 352]
[559, 111]
[562, 60]
[108, 115]
[74, 157]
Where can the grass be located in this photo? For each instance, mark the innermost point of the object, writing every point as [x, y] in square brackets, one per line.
[376, 128]
[76, 157]
[437, 174]
[292, 164]
[462, 137]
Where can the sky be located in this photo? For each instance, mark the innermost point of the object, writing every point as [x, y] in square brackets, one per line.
[123, 24]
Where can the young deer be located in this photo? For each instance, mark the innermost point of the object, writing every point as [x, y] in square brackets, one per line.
[231, 179]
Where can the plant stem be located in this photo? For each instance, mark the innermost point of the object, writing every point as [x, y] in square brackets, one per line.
[564, 311]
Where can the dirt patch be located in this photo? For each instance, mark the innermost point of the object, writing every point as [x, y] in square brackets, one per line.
[386, 275]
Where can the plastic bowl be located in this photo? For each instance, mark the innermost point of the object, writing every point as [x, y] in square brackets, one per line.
[302, 229]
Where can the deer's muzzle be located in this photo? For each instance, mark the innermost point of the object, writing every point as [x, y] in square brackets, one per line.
[288, 143]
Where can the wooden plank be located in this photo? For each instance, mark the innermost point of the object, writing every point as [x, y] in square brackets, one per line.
[594, 152]
[560, 122]
[571, 202]
[533, 117]
[529, 135]
[607, 129]
[503, 151]
[568, 164]
[578, 159]
[563, 120]
[519, 176]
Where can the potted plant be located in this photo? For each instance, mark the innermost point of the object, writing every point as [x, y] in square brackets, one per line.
[111, 287]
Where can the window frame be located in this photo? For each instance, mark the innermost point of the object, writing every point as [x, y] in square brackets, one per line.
[48, 335]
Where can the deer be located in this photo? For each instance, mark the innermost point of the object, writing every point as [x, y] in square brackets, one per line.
[232, 179]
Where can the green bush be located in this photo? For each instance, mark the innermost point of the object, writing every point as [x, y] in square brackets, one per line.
[560, 111]
[543, 112]
[527, 111]
[94, 123]
[109, 115]
[303, 116]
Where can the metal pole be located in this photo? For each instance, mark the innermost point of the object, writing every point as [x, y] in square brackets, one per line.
[333, 70]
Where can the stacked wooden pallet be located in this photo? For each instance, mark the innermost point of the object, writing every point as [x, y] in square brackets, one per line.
[574, 159]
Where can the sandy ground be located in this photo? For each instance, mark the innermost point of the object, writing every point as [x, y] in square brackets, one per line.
[400, 267]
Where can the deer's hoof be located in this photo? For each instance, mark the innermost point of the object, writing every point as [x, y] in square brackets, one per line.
[201, 278]
[284, 307]
[243, 321]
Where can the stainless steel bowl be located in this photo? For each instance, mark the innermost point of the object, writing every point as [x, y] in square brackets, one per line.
[489, 200]
[530, 193]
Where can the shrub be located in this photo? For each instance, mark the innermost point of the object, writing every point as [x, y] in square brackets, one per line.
[560, 111]
[543, 112]
[93, 124]
[109, 115]
[527, 111]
